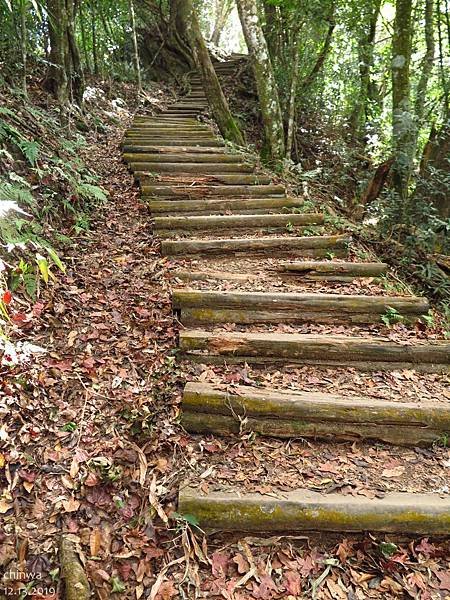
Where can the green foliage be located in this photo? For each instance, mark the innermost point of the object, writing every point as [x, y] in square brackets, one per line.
[392, 316]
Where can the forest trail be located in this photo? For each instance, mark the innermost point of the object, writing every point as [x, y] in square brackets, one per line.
[268, 300]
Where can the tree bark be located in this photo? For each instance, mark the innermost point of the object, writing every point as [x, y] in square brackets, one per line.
[363, 111]
[211, 85]
[137, 65]
[402, 122]
[23, 43]
[57, 80]
[223, 11]
[292, 97]
[76, 70]
[264, 76]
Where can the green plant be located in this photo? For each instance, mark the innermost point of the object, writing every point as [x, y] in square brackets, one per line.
[392, 316]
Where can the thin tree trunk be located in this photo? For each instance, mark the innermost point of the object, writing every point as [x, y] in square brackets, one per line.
[56, 81]
[224, 8]
[363, 110]
[265, 79]
[87, 58]
[94, 37]
[211, 85]
[23, 43]
[76, 70]
[402, 124]
[292, 97]
[425, 71]
[322, 55]
[137, 65]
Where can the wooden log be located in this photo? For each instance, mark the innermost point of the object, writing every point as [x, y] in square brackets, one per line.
[331, 271]
[142, 146]
[364, 353]
[164, 139]
[181, 155]
[236, 221]
[200, 191]
[169, 133]
[198, 306]
[220, 206]
[256, 245]
[306, 510]
[211, 275]
[204, 168]
[291, 301]
[290, 413]
[167, 128]
[211, 179]
[76, 583]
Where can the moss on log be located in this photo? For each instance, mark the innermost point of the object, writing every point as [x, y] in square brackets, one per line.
[258, 307]
[218, 206]
[190, 154]
[327, 269]
[236, 221]
[200, 191]
[321, 350]
[132, 145]
[186, 167]
[310, 245]
[304, 510]
[288, 414]
[212, 179]
[75, 581]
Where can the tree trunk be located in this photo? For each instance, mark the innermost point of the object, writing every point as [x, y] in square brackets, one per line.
[223, 11]
[426, 68]
[87, 57]
[402, 123]
[322, 55]
[56, 81]
[23, 43]
[363, 111]
[211, 85]
[435, 183]
[292, 97]
[94, 37]
[264, 76]
[137, 66]
[76, 70]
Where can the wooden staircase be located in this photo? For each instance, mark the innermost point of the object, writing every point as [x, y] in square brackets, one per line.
[213, 210]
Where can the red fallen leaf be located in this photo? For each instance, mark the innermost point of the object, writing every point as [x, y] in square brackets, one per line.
[426, 548]
[7, 297]
[38, 308]
[166, 591]
[307, 565]
[18, 317]
[28, 475]
[265, 589]
[127, 512]
[212, 447]
[444, 580]
[292, 583]
[219, 563]
[124, 571]
[242, 564]
[89, 363]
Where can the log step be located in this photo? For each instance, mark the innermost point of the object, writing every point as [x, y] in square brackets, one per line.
[288, 413]
[144, 146]
[203, 307]
[190, 154]
[213, 206]
[331, 271]
[206, 223]
[307, 246]
[368, 353]
[200, 191]
[204, 168]
[306, 510]
[212, 179]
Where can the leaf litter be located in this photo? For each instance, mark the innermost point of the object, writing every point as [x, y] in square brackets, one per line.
[90, 445]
